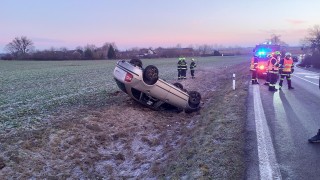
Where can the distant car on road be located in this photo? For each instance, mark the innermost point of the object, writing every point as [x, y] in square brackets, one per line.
[144, 86]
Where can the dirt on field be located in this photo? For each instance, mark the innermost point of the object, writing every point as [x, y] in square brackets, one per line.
[125, 140]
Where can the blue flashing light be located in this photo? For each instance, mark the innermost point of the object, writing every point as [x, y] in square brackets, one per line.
[261, 53]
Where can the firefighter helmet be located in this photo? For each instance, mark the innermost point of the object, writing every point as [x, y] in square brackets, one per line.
[287, 54]
[277, 53]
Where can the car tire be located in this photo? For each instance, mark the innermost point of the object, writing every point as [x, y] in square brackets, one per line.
[150, 75]
[194, 99]
[136, 62]
[178, 85]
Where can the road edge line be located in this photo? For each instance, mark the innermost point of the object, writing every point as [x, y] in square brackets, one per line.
[268, 166]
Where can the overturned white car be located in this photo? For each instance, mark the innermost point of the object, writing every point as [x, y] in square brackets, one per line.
[144, 86]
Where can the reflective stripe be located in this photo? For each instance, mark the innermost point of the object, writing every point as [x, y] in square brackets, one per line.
[272, 66]
[252, 64]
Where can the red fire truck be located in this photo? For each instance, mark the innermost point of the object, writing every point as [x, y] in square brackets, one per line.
[261, 51]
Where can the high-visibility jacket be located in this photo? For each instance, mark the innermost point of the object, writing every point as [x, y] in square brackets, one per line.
[273, 65]
[253, 64]
[286, 65]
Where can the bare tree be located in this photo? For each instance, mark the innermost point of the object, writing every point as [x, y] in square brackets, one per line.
[20, 46]
[311, 44]
[275, 39]
[89, 51]
[312, 41]
[205, 49]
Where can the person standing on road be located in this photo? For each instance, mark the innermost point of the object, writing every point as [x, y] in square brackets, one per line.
[286, 69]
[273, 68]
[253, 69]
[179, 68]
[193, 65]
[277, 56]
[269, 56]
[184, 68]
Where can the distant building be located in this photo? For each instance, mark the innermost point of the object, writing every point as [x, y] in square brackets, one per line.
[141, 53]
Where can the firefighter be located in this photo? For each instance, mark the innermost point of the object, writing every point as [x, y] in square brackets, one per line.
[273, 68]
[269, 56]
[193, 65]
[184, 68]
[253, 69]
[179, 68]
[286, 69]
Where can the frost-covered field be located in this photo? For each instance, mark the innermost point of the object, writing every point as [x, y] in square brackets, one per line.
[31, 91]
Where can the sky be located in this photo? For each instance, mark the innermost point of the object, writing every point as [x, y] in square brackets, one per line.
[155, 23]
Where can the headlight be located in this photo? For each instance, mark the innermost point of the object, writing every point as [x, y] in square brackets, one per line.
[261, 67]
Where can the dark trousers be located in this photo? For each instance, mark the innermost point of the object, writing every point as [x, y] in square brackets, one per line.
[254, 78]
[273, 80]
[285, 75]
[179, 73]
[268, 77]
[183, 74]
[192, 73]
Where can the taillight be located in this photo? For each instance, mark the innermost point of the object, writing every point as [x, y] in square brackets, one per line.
[128, 77]
[261, 67]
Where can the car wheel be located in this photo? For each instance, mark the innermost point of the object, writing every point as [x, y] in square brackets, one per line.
[150, 75]
[136, 62]
[178, 85]
[194, 99]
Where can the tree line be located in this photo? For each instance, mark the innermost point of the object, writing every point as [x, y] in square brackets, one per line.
[21, 48]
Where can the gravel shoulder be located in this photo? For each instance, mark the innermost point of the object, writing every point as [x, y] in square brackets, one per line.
[124, 139]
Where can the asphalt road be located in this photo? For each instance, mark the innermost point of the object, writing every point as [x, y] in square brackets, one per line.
[278, 132]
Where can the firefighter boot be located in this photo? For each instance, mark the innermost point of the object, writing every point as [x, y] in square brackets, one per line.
[315, 138]
[289, 85]
[272, 88]
[280, 84]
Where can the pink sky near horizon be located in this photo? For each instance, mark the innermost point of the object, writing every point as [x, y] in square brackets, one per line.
[160, 23]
